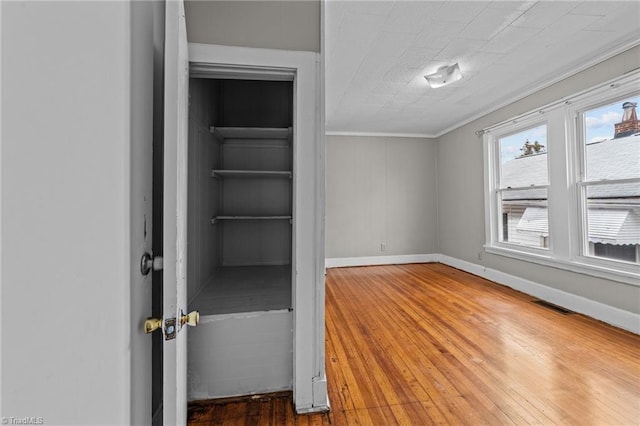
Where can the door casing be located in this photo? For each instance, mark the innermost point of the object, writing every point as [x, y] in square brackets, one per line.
[303, 68]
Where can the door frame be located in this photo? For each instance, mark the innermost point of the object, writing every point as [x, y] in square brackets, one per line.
[304, 68]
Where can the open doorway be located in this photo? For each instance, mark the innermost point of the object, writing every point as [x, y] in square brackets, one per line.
[239, 236]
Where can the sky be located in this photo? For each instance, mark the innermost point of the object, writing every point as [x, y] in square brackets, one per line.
[510, 147]
[599, 125]
[600, 121]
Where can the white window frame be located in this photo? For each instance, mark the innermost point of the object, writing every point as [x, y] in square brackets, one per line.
[492, 143]
[618, 91]
[566, 160]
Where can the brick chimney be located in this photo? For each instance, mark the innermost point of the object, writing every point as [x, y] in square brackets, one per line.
[629, 124]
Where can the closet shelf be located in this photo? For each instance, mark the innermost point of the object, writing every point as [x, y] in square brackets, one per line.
[251, 132]
[217, 219]
[251, 173]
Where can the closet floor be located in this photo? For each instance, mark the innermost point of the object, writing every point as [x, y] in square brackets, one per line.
[236, 289]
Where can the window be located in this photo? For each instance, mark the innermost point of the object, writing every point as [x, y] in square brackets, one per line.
[562, 184]
[609, 138]
[522, 187]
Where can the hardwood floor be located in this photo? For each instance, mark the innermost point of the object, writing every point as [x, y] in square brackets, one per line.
[428, 344]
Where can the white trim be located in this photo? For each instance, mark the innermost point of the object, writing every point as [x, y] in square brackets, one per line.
[247, 57]
[381, 135]
[611, 92]
[320, 394]
[566, 219]
[617, 317]
[308, 203]
[595, 60]
[1, 221]
[581, 265]
[618, 84]
[340, 262]
[174, 235]
[573, 70]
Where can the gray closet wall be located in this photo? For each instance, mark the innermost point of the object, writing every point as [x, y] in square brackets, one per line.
[240, 195]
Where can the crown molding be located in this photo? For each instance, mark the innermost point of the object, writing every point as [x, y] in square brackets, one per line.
[381, 135]
[570, 72]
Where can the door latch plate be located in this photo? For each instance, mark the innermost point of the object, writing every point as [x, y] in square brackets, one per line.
[170, 329]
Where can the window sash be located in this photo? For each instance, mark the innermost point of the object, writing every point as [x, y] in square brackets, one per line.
[567, 186]
[613, 225]
[608, 182]
[523, 219]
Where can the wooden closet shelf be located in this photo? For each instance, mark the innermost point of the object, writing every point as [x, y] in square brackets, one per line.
[251, 173]
[216, 219]
[251, 132]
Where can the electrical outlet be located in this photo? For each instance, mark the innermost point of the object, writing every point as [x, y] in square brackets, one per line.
[383, 247]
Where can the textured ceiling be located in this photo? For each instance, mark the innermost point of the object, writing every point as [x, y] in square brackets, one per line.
[377, 53]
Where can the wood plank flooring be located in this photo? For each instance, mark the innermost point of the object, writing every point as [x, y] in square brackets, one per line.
[428, 344]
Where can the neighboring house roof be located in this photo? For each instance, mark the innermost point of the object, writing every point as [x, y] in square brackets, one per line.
[534, 219]
[606, 160]
[525, 171]
[623, 158]
[623, 162]
[614, 226]
[607, 226]
[614, 214]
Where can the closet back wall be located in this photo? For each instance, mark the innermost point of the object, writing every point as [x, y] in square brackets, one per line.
[380, 190]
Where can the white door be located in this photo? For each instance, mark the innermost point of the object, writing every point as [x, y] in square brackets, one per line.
[176, 69]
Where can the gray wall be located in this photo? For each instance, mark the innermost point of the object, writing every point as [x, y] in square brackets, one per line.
[461, 200]
[290, 25]
[380, 190]
[202, 248]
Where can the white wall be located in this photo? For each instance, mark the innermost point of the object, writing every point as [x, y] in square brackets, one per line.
[66, 190]
[289, 25]
[380, 190]
[461, 203]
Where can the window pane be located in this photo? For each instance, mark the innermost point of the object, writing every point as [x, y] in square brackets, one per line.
[524, 217]
[612, 139]
[613, 221]
[523, 158]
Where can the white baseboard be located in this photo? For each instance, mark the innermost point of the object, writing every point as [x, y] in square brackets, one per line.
[609, 314]
[341, 262]
[617, 317]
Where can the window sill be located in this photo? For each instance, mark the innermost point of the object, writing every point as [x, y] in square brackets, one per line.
[582, 266]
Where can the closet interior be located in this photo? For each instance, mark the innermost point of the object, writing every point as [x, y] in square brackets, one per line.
[239, 245]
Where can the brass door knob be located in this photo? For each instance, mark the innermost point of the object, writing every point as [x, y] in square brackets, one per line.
[192, 318]
[152, 324]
